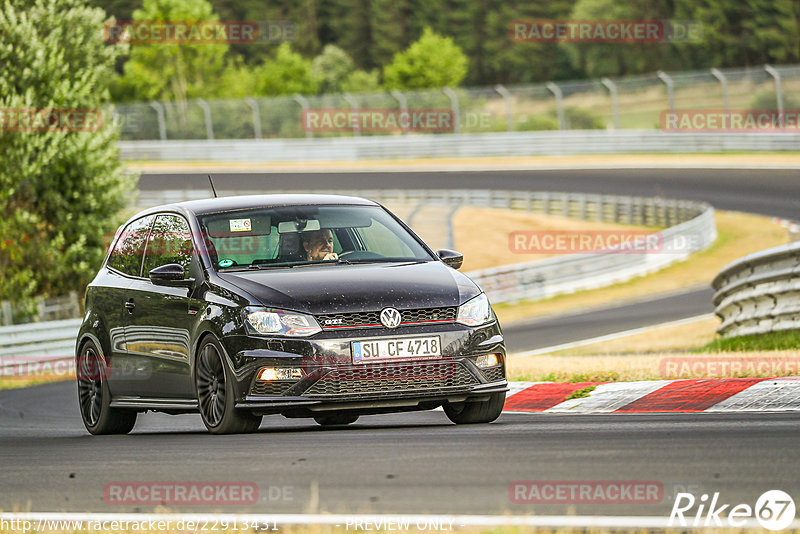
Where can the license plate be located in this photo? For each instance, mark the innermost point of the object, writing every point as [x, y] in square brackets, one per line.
[392, 349]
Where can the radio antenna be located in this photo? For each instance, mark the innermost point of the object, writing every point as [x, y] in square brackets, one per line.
[213, 190]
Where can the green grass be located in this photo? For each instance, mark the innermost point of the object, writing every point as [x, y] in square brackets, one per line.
[581, 393]
[566, 378]
[786, 340]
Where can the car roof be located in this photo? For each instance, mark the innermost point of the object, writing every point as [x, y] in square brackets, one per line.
[232, 203]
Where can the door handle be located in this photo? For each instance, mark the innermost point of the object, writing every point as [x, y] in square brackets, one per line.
[130, 305]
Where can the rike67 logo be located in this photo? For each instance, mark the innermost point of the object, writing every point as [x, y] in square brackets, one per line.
[774, 510]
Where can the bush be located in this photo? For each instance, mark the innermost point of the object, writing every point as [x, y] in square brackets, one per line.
[61, 192]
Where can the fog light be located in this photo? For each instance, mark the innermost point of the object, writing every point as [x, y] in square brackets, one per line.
[487, 360]
[279, 373]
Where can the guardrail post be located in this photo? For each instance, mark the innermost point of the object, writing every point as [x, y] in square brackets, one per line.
[162, 121]
[716, 73]
[354, 107]
[502, 91]
[401, 99]
[6, 313]
[451, 239]
[207, 114]
[556, 90]
[664, 77]
[612, 90]
[303, 101]
[256, 116]
[778, 91]
[454, 106]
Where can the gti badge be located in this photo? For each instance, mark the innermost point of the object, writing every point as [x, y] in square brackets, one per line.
[390, 318]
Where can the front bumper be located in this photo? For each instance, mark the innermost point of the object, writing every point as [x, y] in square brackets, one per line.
[332, 381]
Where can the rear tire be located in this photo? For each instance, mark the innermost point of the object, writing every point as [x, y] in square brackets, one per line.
[94, 397]
[335, 419]
[468, 413]
[215, 395]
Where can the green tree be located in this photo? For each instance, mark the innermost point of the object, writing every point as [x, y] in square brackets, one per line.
[60, 191]
[285, 74]
[361, 81]
[331, 68]
[173, 71]
[431, 62]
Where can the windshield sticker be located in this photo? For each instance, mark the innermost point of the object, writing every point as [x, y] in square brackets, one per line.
[225, 263]
[241, 225]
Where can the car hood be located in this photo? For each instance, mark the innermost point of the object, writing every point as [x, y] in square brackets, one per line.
[319, 289]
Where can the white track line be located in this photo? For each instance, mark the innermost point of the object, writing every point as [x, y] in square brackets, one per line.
[607, 398]
[610, 337]
[444, 522]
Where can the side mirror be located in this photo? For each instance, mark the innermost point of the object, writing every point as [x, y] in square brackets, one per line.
[170, 275]
[451, 257]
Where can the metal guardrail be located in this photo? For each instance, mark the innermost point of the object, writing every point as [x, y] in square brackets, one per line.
[760, 292]
[630, 102]
[690, 225]
[27, 345]
[509, 144]
[690, 228]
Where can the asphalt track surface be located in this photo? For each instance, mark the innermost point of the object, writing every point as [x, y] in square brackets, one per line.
[546, 332]
[419, 462]
[767, 191]
[410, 463]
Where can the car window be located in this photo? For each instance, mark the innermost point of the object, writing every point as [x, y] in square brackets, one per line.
[127, 254]
[276, 236]
[170, 241]
[378, 238]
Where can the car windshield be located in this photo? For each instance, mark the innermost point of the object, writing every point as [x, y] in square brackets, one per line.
[264, 238]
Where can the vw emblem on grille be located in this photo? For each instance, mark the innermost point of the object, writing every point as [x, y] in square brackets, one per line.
[390, 318]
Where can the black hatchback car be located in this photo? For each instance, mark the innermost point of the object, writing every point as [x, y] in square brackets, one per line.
[317, 306]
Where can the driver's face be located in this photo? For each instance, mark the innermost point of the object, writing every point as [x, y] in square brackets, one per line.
[318, 244]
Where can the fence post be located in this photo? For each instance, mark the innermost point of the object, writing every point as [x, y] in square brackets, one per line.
[454, 106]
[354, 107]
[7, 313]
[207, 114]
[612, 90]
[556, 90]
[303, 101]
[778, 91]
[716, 73]
[664, 77]
[401, 99]
[162, 122]
[502, 91]
[256, 116]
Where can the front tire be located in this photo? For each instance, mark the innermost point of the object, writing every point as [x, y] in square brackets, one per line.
[476, 412]
[215, 395]
[94, 397]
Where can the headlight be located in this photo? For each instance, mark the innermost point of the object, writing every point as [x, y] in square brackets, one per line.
[475, 312]
[279, 322]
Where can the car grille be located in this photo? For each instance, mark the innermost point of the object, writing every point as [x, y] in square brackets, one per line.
[372, 319]
[494, 374]
[270, 389]
[377, 378]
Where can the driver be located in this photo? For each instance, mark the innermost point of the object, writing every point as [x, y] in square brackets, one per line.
[318, 245]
